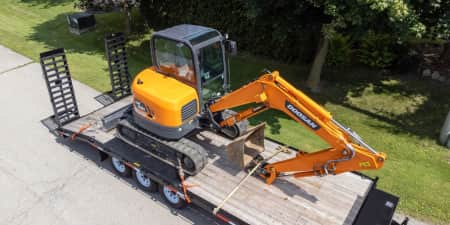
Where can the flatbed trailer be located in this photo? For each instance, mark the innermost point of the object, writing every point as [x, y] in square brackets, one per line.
[349, 198]
[337, 199]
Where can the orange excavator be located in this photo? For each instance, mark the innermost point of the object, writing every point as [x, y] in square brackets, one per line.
[187, 90]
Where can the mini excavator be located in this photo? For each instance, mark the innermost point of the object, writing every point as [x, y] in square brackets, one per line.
[187, 90]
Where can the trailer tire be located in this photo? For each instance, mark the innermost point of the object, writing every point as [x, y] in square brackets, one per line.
[144, 183]
[171, 198]
[120, 168]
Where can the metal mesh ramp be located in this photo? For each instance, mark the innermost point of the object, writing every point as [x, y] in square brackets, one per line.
[59, 84]
[118, 65]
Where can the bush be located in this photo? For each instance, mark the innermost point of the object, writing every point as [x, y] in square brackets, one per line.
[376, 50]
[103, 5]
[256, 25]
[340, 52]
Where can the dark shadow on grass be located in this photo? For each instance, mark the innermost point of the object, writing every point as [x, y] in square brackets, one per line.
[424, 121]
[139, 57]
[270, 117]
[55, 33]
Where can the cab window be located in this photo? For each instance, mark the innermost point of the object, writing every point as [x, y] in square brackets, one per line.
[212, 70]
[174, 59]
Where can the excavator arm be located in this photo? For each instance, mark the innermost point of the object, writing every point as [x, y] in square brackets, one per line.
[347, 151]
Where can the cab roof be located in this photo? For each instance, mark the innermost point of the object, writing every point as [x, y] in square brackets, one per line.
[187, 32]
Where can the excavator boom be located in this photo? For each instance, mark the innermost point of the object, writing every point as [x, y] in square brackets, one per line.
[347, 152]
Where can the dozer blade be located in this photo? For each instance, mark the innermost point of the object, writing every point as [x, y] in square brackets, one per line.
[246, 147]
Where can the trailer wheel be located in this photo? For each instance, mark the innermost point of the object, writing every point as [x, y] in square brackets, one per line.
[171, 197]
[145, 183]
[120, 168]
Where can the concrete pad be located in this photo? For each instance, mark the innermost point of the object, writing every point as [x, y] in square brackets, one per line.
[46, 180]
[24, 108]
[10, 59]
[16, 198]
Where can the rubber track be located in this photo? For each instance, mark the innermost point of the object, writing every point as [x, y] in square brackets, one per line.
[187, 147]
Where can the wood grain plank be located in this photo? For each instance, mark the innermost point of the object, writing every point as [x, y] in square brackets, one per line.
[312, 200]
[94, 120]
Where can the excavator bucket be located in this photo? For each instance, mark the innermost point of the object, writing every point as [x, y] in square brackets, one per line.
[246, 147]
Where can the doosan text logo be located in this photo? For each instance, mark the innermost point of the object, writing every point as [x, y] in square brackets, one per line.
[301, 116]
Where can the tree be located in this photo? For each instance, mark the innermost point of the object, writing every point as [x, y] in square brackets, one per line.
[285, 30]
[316, 68]
[435, 14]
[355, 17]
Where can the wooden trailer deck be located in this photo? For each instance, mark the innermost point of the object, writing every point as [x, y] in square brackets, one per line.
[313, 200]
[93, 122]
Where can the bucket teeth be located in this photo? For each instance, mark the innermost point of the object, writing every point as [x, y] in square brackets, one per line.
[242, 150]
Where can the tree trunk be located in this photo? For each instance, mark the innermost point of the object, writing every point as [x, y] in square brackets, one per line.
[316, 69]
[127, 14]
[445, 55]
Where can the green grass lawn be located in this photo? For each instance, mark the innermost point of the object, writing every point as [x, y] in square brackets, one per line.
[401, 117]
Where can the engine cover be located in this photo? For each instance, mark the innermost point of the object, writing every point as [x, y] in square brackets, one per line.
[163, 105]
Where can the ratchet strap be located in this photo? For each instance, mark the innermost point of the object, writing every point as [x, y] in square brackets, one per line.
[183, 183]
[82, 128]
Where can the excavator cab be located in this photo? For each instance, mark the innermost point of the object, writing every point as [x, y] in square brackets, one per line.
[190, 68]
[195, 55]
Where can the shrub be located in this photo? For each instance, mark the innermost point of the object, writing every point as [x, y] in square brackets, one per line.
[340, 52]
[376, 50]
